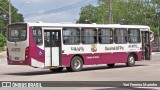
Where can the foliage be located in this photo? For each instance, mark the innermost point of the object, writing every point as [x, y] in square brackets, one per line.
[131, 12]
[2, 42]
[88, 13]
[4, 17]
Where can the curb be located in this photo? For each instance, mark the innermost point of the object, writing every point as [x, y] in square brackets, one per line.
[155, 52]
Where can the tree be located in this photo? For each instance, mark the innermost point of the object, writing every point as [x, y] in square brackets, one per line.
[88, 14]
[156, 2]
[4, 17]
[134, 12]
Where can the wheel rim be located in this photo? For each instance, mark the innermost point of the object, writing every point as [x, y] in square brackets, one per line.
[77, 64]
[131, 60]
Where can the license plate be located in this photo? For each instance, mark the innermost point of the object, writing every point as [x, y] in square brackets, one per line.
[16, 58]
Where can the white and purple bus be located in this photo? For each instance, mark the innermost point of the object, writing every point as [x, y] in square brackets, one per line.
[56, 46]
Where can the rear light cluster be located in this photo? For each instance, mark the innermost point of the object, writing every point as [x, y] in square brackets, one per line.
[7, 53]
[26, 52]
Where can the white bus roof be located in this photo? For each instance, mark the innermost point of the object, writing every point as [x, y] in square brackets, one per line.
[60, 25]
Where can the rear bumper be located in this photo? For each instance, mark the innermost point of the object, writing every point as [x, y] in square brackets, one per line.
[20, 62]
[30, 62]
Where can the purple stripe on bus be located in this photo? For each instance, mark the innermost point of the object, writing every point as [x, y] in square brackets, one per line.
[91, 59]
[100, 58]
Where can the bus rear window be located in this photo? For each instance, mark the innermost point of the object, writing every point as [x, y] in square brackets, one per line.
[17, 33]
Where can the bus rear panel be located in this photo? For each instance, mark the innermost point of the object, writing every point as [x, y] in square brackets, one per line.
[18, 45]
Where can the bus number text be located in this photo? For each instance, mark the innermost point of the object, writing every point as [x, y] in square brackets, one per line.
[77, 48]
[15, 49]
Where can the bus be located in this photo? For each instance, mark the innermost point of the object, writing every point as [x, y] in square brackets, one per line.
[56, 46]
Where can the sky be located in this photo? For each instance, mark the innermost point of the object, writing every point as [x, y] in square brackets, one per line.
[29, 7]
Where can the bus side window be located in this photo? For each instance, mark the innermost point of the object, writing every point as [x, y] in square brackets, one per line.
[71, 36]
[55, 41]
[37, 35]
[105, 36]
[47, 39]
[89, 36]
[120, 36]
[134, 35]
[147, 38]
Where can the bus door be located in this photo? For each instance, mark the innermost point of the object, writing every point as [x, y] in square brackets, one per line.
[52, 40]
[145, 45]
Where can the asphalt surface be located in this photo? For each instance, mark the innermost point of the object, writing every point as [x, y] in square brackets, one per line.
[142, 71]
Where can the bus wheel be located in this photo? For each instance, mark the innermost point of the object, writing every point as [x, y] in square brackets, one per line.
[130, 61]
[57, 69]
[110, 65]
[76, 64]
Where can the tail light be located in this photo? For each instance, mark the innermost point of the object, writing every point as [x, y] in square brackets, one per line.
[26, 52]
[7, 53]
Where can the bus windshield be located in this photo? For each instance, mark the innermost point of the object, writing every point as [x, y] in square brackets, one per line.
[17, 33]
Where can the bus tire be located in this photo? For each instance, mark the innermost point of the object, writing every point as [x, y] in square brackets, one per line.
[76, 64]
[130, 61]
[110, 65]
[57, 69]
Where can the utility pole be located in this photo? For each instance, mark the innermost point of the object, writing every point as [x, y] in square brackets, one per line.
[9, 12]
[145, 18]
[110, 12]
[158, 35]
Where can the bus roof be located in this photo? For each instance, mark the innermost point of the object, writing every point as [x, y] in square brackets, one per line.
[60, 25]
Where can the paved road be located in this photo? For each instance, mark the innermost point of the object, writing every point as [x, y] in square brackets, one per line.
[2, 55]
[142, 71]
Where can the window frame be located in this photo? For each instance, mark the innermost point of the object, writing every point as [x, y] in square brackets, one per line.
[10, 28]
[39, 28]
[138, 38]
[89, 36]
[67, 28]
[111, 35]
[114, 33]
